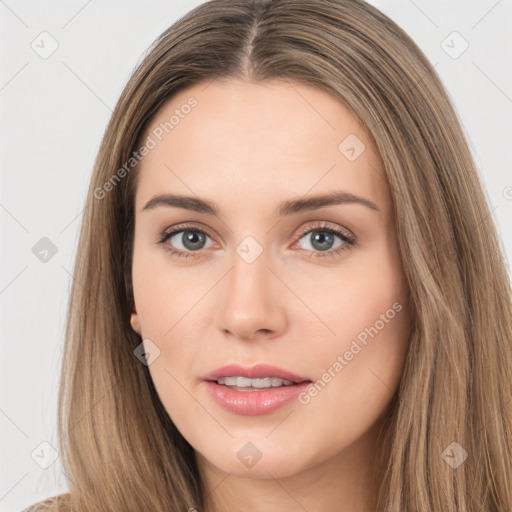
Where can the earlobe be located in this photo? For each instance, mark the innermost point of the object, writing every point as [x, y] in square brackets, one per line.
[134, 321]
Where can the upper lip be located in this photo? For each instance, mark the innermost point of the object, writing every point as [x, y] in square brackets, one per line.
[257, 371]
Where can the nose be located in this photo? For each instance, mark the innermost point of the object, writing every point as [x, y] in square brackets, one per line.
[250, 302]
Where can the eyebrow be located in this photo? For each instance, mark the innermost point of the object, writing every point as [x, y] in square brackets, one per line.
[288, 207]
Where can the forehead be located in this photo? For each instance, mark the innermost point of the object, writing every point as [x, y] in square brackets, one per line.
[233, 140]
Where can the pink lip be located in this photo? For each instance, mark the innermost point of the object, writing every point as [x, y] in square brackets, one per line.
[253, 403]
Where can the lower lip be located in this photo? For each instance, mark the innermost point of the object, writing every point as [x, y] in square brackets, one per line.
[254, 403]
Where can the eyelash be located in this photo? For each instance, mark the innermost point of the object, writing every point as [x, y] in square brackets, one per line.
[349, 241]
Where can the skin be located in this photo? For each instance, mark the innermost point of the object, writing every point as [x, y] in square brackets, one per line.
[247, 147]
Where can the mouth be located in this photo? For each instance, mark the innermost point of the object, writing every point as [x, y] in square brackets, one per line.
[255, 390]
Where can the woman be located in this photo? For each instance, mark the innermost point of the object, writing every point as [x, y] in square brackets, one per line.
[289, 293]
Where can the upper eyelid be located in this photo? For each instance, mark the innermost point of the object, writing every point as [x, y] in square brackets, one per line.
[186, 227]
[325, 225]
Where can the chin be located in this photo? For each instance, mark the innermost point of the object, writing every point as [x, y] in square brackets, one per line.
[259, 459]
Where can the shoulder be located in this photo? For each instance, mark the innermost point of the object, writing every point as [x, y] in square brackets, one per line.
[59, 503]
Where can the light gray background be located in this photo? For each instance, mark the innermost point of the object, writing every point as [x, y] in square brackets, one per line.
[53, 114]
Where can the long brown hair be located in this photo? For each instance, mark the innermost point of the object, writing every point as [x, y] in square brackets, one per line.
[120, 450]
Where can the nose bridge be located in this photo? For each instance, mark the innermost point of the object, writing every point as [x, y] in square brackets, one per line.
[250, 275]
[250, 299]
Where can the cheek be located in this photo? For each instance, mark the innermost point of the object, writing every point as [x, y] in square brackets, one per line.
[368, 292]
[164, 296]
[165, 304]
[361, 370]
[357, 377]
[168, 303]
[361, 364]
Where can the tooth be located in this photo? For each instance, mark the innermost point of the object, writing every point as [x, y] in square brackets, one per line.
[243, 382]
[227, 381]
[261, 383]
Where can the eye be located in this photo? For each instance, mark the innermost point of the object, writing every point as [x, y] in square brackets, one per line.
[322, 240]
[184, 241]
[187, 241]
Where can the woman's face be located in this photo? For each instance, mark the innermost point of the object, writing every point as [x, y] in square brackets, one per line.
[268, 272]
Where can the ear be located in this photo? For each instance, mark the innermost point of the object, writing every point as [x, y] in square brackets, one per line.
[134, 321]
